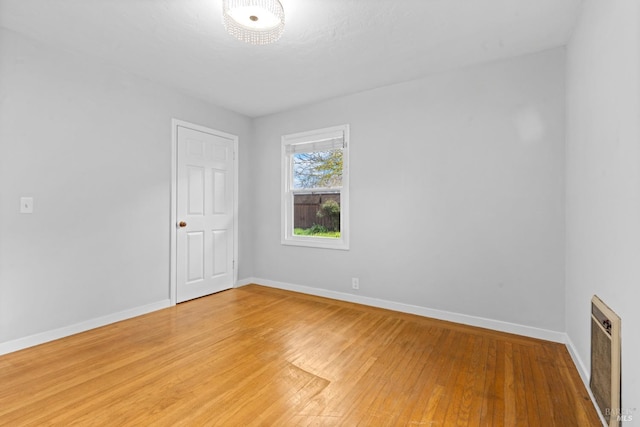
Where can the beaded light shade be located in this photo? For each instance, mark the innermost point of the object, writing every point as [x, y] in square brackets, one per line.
[254, 21]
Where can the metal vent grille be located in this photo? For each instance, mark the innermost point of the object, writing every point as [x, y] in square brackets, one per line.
[605, 360]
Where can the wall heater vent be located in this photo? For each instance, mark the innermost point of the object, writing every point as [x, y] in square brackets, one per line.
[605, 361]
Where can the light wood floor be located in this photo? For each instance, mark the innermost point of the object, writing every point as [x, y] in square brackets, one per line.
[259, 356]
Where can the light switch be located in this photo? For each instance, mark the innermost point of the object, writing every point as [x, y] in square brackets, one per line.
[26, 205]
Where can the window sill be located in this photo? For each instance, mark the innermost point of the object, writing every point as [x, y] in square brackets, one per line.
[317, 242]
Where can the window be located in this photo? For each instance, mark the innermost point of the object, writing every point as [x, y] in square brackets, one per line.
[315, 188]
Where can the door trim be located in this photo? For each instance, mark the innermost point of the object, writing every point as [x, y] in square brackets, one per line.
[175, 124]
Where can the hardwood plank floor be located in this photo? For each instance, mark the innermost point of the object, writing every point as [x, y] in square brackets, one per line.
[260, 356]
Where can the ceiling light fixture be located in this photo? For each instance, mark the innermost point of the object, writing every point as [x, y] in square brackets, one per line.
[253, 21]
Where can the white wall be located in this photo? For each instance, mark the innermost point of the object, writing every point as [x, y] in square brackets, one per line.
[457, 193]
[603, 179]
[92, 145]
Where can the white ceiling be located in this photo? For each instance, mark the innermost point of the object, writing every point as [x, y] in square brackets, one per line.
[329, 47]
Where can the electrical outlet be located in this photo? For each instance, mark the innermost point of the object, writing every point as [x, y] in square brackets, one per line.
[355, 283]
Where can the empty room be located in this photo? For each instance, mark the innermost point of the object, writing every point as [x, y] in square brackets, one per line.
[320, 212]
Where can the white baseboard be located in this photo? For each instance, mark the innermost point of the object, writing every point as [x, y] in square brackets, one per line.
[42, 337]
[584, 374]
[573, 352]
[244, 282]
[496, 325]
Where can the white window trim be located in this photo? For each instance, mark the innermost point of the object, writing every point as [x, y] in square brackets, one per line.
[288, 238]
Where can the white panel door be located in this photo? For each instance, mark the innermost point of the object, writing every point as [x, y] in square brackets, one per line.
[205, 213]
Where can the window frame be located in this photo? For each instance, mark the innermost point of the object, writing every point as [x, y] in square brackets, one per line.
[287, 191]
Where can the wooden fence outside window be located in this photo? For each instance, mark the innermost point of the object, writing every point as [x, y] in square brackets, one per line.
[306, 206]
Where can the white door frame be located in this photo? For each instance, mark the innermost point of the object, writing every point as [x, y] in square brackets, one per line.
[175, 123]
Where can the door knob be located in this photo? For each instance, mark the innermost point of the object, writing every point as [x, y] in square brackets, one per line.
[182, 224]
